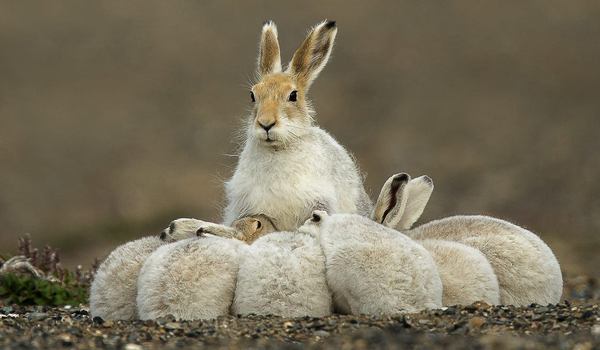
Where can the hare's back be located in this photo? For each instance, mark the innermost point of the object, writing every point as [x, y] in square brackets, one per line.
[283, 273]
[114, 289]
[466, 274]
[527, 270]
[190, 279]
[375, 270]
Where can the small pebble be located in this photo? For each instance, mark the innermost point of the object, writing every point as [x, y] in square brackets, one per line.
[476, 322]
[172, 325]
[321, 334]
[37, 316]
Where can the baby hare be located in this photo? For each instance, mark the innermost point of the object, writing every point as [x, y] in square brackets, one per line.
[283, 273]
[288, 166]
[466, 274]
[190, 279]
[114, 288]
[526, 269]
[372, 269]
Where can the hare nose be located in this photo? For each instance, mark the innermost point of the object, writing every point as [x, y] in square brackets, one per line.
[266, 127]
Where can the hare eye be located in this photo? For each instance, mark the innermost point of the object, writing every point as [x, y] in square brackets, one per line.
[252, 96]
[293, 96]
[258, 225]
[316, 217]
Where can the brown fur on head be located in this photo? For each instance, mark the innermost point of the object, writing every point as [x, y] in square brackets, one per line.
[253, 227]
[280, 110]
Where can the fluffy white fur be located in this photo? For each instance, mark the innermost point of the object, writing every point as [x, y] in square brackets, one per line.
[466, 274]
[283, 273]
[527, 270]
[114, 289]
[372, 269]
[316, 173]
[190, 279]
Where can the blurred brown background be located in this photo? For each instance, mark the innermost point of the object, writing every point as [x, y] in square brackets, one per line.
[117, 117]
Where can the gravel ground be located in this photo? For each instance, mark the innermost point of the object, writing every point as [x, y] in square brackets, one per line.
[569, 325]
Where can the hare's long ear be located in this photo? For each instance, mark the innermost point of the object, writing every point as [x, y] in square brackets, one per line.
[418, 191]
[391, 203]
[269, 55]
[312, 55]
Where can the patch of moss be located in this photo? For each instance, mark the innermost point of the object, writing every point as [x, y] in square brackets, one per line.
[26, 290]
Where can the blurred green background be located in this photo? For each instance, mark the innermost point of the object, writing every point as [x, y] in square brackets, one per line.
[119, 116]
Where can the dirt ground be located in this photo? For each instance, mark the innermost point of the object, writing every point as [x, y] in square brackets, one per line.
[573, 324]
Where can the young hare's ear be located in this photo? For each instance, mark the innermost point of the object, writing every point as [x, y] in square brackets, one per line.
[418, 192]
[312, 55]
[269, 56]
[391, 203]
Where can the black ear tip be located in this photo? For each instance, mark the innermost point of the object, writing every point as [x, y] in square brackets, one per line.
[330, 24]
[398, 179]
[427, 179]
[268, 22]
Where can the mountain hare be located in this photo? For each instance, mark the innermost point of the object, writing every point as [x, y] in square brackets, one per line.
[114, 288]
[189, 279]
[372, 269]
[283, 273]
[526, 269]
[466, 274]
[289, 166]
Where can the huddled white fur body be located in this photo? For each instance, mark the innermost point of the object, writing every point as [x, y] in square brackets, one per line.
[527, 270]
[283, 273]
[114, 289]
[190, 279]
[466, 274]
[372, 269]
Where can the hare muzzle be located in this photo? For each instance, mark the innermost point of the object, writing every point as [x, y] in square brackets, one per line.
[265, 122]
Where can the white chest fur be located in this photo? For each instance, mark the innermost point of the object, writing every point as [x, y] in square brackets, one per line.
[285, 185]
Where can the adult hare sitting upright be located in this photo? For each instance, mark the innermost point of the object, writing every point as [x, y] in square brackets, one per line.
[289, 166]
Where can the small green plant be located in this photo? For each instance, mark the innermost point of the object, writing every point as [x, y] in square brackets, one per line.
[27, 290]
[36, 277]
